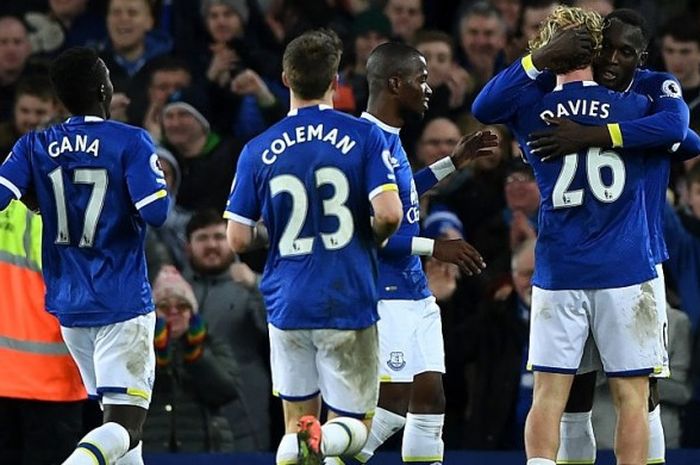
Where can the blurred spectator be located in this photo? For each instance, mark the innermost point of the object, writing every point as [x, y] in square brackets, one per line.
[14, 53]
[406, 17]
[510, 11]
[482, 38]
[452, 85]
[166, 244]
[34, 106]
[682, 235]
[674, 392]
[133, 43]
[167, 75]
[241, 100]
[522, 203]
[196, 374]
[369, 29]
[602, 7]
[488, 354]
[233, 308]
[438, 139]
[41, 392]
[680, 50]
[207, 160]
[532, 15]
[67, 23]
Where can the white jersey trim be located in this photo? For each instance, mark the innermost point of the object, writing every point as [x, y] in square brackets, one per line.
[150, 199]
[380, 123]
[239, 219]
[7, 183]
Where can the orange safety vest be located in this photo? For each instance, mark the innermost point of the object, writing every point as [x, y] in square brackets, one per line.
[34, 360]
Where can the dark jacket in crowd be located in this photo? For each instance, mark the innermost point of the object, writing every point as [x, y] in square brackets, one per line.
[185, 413]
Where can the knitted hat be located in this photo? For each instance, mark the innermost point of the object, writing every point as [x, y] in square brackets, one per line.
[170, 283]
[240, 7]
[439, 221]
[167, 155]
[192, 101]
[371, 21]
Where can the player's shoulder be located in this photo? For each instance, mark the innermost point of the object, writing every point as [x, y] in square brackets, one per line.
[656, 82]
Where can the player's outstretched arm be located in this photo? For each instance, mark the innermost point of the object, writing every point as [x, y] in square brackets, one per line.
[387, 214]
[469, 147]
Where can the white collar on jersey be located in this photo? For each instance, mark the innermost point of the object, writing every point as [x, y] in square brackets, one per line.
[321, 107]
[87, 119]
[380, 123]
[584, 83]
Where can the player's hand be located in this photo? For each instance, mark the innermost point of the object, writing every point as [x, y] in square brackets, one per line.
[571, 44]
[471, 146]
[460, 253]
[565, 137]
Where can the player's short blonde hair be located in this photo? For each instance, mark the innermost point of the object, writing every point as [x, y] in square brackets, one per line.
[564, 17]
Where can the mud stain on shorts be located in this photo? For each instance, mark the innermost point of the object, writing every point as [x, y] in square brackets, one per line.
[645, 324]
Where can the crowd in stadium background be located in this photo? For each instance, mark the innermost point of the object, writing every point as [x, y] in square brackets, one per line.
[203, 78]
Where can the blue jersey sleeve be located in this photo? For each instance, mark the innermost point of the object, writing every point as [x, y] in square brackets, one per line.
[15, 173]
[243, 204]
[499, 100]
[379, 174]
[689, 148]
[425, 179]
[398, 246]
[145, 180]
[668, 118]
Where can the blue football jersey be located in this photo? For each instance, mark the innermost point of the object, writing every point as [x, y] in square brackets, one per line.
[401, 276]
[664, 91]
[593, 231]
[91, 177]
[663, 127]
[311, 177]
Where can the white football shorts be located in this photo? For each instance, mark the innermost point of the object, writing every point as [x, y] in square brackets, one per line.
[117, 362]
[410, 339]
[624, 323]
[591, 357]
[338, 364]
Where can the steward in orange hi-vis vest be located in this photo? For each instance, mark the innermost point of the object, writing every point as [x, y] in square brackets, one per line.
[34, 362]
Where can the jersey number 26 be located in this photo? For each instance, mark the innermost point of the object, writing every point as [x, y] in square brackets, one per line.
[596, 160]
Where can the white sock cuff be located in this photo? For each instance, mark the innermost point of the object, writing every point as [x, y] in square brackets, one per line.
[539, 461]
[132, 457]
[288, 450]
[389, 418]
[425, 420]
[569, 417]
[343, 436]
[111, 440]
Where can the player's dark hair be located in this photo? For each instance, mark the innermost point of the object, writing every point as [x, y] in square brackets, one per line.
[632, 18]
[682, 28]
[76, 77]
[38, 86]
[391, 59]
[203, 219]
[693, 175]
[310, 62]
